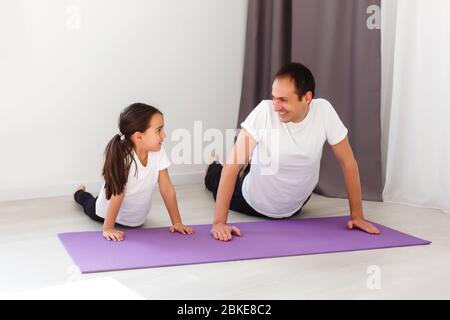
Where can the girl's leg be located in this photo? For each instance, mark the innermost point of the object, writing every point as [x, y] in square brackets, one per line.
[87, 201]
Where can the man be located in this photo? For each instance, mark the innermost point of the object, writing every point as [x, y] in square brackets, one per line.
[290, 132]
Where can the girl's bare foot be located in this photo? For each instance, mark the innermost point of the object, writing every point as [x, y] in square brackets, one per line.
[80, 188]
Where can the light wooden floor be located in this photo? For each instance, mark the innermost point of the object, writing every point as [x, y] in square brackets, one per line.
[32, 256]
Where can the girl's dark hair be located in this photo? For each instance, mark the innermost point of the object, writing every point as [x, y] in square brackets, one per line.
[118, 152]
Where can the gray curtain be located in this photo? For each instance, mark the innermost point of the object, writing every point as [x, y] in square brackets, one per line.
[267, 49]
[331, 38]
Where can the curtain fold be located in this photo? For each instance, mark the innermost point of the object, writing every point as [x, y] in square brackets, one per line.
[417, 110]
[335, 40]
[267, 48]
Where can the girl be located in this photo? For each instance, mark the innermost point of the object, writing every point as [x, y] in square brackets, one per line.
[134, 163]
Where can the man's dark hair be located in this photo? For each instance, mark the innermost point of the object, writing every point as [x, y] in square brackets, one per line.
[301, 75]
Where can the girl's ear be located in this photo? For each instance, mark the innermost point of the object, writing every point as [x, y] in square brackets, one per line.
[137, 136]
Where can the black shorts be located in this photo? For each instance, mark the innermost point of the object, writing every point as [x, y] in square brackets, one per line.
[238, 202]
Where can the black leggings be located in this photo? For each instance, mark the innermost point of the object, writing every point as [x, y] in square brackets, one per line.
[87, 201]
[238, 202]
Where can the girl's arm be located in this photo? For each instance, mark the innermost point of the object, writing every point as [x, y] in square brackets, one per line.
[170, 200]
[109, 231]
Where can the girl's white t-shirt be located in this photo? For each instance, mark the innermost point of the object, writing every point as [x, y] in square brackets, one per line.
[141, 183]
[286, 161]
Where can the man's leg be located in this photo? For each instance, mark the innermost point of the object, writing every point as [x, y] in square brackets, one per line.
[238, 202]
[299, 210]
[212, 177]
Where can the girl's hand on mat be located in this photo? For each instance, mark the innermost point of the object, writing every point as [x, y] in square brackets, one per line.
[113, 234]
[181, 228]
[223, 232]
[364, 225]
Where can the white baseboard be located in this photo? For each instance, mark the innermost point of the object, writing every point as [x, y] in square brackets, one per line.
[94, 186]
[187, 178]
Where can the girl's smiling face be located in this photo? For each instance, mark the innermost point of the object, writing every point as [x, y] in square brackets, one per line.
[151, 139]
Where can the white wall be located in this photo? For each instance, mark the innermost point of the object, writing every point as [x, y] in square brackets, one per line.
[65, 77]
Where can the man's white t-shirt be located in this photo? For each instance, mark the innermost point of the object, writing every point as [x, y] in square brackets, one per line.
[286, 161]
[136, 203]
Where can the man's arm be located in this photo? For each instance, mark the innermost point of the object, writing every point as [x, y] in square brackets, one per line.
[240, 155]
[349, 166]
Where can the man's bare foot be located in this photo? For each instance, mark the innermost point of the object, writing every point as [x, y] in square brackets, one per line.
[212, 158]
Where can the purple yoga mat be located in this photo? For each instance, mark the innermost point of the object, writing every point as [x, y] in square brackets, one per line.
[157, 247]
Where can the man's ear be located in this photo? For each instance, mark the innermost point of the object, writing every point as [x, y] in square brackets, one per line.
[307, 97]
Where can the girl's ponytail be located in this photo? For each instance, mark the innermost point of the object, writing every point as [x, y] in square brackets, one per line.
[117, 164]
[118, 153]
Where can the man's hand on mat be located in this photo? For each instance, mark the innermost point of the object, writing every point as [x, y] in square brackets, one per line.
[181, 228]
[364, 225]
[113, 234]
[223, 232]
